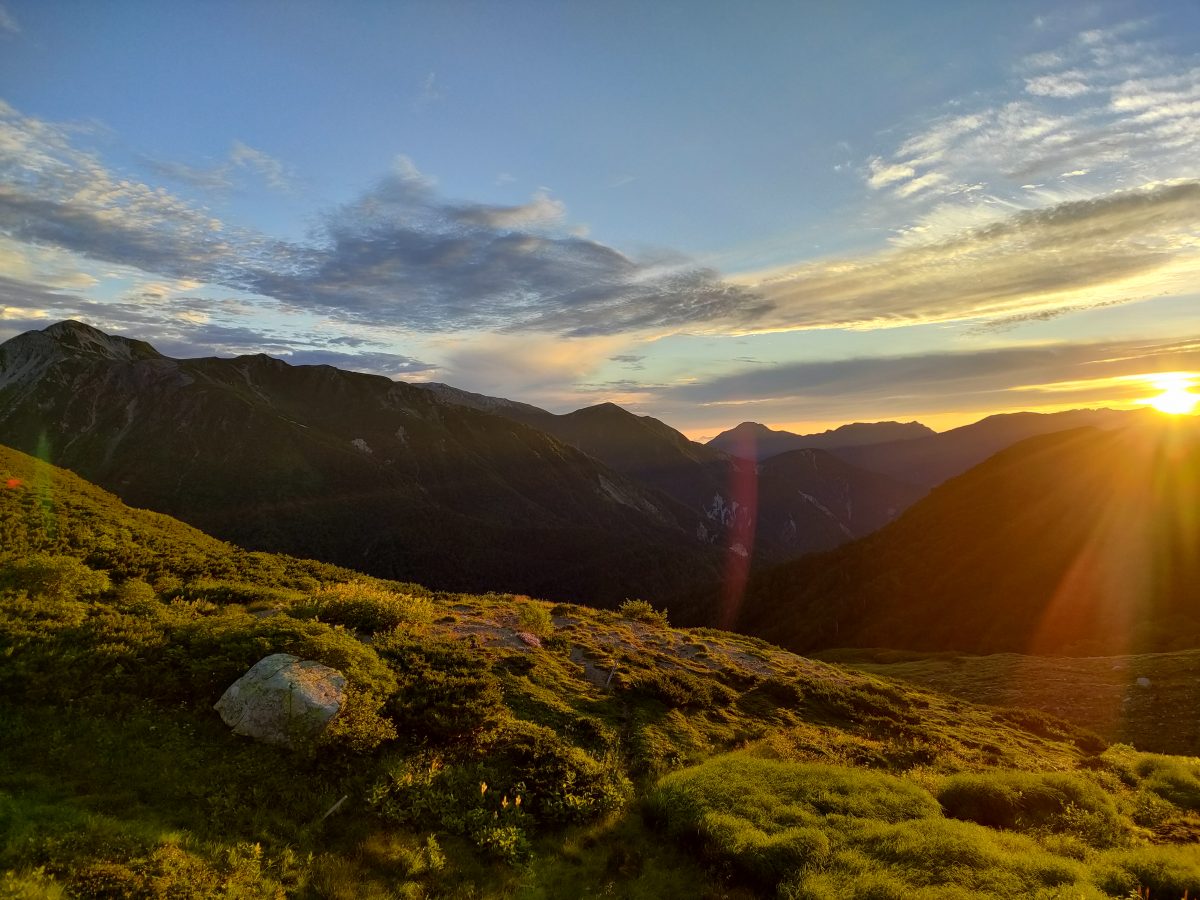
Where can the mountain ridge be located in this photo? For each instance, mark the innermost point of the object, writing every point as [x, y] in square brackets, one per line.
[352, 468]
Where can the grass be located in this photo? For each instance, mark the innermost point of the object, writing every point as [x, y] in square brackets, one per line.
[1102, 694]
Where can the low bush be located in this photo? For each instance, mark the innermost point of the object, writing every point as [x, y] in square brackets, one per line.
[534, 618]
[675, 689]
[57, 578]
[365, 607]
[521, 777]
[445, 691]
[641, 611]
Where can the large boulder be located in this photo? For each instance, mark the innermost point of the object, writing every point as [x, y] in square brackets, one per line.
[283, 700]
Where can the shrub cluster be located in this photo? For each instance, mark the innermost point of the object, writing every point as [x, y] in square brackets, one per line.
[641, 611]
[365, 607]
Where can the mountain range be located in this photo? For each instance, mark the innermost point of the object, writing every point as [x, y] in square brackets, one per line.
[1079, 542]
[793, 503]
[432, 484]
[752, 440]
[349, 468]
[422, 483]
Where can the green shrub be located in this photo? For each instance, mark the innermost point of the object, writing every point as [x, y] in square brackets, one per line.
[534, 618]
[521, 777]
[358, 727]
[136, 597]
[225, 593]
[58, 578]
[675, 689]
[641, 611]
[366, 607]
[445, 691]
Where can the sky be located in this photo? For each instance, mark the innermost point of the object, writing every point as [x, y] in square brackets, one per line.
[800, 214]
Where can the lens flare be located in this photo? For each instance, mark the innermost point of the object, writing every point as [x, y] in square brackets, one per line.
[1176, 398]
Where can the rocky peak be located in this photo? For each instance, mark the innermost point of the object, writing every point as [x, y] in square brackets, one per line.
[76, 337]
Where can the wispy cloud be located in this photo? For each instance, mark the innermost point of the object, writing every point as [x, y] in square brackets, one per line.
[222, 176]
[430, 93]
[1062, 373]
[1105, 101]
[8, 25]
[1124, 246]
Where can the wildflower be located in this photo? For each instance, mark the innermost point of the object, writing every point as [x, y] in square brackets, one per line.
[504, 802]
[482, 788]
[517, 802]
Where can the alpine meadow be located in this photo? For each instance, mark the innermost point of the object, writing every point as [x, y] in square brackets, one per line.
[538, 451]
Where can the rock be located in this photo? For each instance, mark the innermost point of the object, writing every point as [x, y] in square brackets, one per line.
[1143, 682]
[283, 700]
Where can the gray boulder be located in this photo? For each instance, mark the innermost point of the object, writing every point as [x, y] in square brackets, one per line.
[283, 700]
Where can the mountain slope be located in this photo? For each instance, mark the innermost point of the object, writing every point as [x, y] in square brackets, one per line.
[750, 440]
[796, 503]
[353, 469]
[1077, 542]
[612, 755]
[931, 459]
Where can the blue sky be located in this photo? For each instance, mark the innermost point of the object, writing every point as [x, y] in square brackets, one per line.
[800, 214]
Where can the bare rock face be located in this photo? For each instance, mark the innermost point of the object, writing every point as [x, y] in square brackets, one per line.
[283, 700]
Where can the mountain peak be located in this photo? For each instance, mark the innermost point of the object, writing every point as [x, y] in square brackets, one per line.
[752, 440]
[79, 337]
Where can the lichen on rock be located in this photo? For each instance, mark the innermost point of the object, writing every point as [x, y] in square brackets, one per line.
[283, 700]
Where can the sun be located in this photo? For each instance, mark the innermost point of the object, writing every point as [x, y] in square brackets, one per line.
[1176, 398]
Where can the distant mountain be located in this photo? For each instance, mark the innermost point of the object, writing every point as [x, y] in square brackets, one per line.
[349, 468]
[793, 504]
[931, 459]
[750, 440]
[1078, 542]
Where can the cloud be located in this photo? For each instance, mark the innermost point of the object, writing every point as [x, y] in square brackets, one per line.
[883, 174]
[1075, 374]
[431, 92]
[537, 369]
[629, 360]
[399, 255]
[1060, 84]
[271, 170]
[221, 177]
[8, 25]
[1104, 101]
[190, 327]
[1120, 247]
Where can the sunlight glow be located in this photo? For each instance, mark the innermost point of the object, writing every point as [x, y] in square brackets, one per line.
[1176, 398]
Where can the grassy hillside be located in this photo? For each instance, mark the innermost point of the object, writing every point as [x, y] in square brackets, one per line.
[496, 746]
[1147, 699]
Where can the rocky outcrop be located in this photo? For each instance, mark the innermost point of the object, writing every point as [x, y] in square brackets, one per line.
[283, 700]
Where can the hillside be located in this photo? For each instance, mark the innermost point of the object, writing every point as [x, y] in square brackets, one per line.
[494, 746]
[1147, 699]
[795, 503]
[1082, 542]
[751, 440]
[353, 469]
